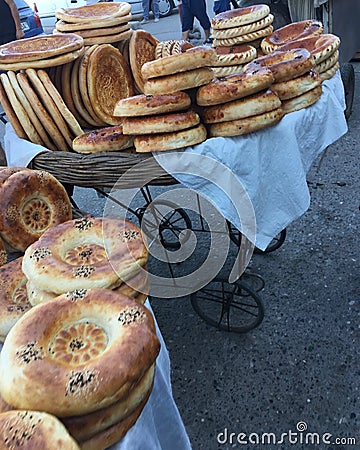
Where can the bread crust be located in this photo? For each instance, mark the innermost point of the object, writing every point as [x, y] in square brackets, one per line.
[244, 29]
[320, 46]
[106, 22]
[85, 253]
[164, 123]
[170, 141]
[297, 86]
[251, 105]
[70, 344]
[249, 37]
[13, 297]
[239, 16]
[292, 32]
[193, 58]
[247, 125]
[108, 139]
[234, 87]
[145, 105]
[284, 64]
[97, 11]
[234, 55]
[178, 81]
[32, 202]
[11, 115]
[302, 101]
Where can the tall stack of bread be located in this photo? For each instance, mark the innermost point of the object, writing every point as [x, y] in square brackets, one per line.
[237, 34]
[100, 23]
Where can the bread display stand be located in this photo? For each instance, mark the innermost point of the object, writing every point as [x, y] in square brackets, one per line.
[269, 165]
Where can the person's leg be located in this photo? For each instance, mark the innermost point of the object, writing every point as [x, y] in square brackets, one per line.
[145, 5]
[187, 21]
[155, 9]
[200, 13]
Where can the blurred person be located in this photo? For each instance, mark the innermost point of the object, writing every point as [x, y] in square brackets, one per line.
[190, 10]
[146, 8]
[221, 6]
[10, 25]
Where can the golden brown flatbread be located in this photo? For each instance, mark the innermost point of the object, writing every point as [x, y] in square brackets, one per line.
[40, 47]
[11, 115]
[109, 139]
[97, 11]
[20, 112]
[45, 118]
[108, 81]
[142, 49]
[61, 25]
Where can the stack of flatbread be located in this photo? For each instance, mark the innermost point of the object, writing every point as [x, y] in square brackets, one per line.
[40, 52]
[171, 47]
[99, 23]
[231, 59]
[179, 72]
[36, 110]
[91, 85]
[242, 26]
[160, 122]
[324, 49]
[239, 104]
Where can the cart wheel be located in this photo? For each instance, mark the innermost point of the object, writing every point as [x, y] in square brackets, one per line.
[169, 222]
[276, 243]
[348, 79]
[229, 307]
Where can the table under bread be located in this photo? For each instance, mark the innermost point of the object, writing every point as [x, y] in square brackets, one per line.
[270, 164]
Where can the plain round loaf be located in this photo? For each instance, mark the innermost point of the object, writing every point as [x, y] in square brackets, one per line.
[247, 125]
[302, 101]
[234, 87]
[147, 105]
[178, 81]
[297, 86]
[193, 58]
[108, 139]
[164, 123]
[245, 107]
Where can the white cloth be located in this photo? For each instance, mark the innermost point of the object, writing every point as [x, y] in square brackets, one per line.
[271, 164]
[159, 426]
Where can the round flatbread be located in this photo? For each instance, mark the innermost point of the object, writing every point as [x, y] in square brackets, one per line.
[95, 12]
[297, 86]
[39, 47]
[30, 111]
[109, 139]
[302, 101]
[221, 72]
[170, 141]
[50, 105]
[330, 72]
[247, 125]
[234, 86]
[251, 105]
[45, 118]
[59, 102]
[227, 33]
[100, 23]
[194, 58]
[292, 32]
[83, 85]
[327, 63]
[20, 112]
[178, 81]
[13, 297]
[73, 343]
[32, 201]
[43, 63]
[234, 55]
[108, 81]
[11, 114]
[109, 39]
[239, 16]
[147, 105]
[142, 49]
[34, 429]
[164, 123]
[249, 37]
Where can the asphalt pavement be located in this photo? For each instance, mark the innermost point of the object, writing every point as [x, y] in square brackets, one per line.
[297, 374]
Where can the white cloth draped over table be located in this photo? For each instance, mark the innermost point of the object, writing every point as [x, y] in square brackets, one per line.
[271, 164]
